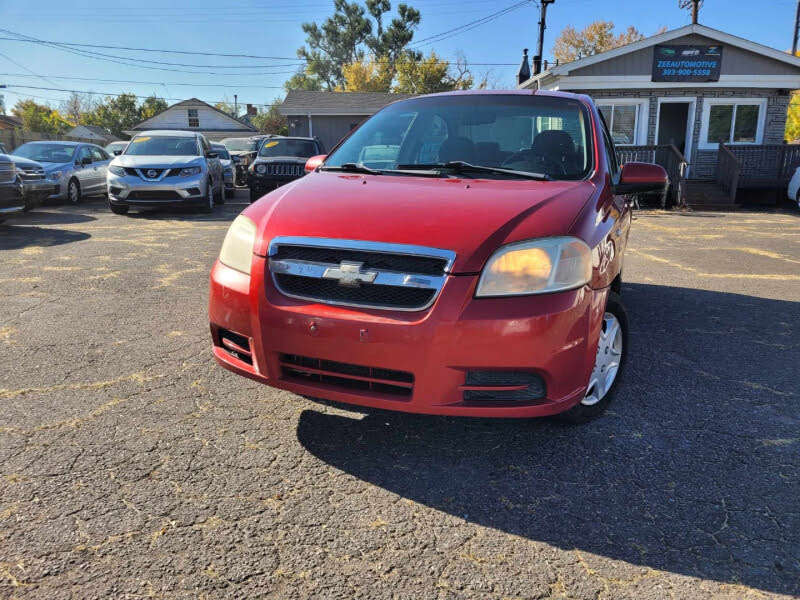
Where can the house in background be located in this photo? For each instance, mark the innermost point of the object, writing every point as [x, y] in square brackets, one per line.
[331, 115]
[99, 135]
[721, 101]
[10, 122]
[199, 116]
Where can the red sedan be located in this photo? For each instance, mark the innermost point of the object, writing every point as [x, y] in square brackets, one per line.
[457, 254]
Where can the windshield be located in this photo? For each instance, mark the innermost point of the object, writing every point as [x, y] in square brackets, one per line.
[533, 134]
[289, 147]
[222, 153]
[145, 145]
[52, 153]
[240, 144]
[116, 146]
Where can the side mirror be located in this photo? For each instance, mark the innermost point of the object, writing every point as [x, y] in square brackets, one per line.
[86, 161]
[117, 152]
[315, 161]
[641, 178]
[212, 154]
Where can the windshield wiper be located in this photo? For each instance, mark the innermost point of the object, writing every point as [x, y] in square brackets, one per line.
[353, 167]
[460, 166]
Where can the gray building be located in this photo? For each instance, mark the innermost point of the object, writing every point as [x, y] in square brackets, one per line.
[694, 88]
[331, 115]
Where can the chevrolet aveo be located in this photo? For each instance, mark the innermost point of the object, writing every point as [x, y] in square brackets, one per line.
[457, 254]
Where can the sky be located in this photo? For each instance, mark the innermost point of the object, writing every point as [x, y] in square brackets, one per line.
[272, 28]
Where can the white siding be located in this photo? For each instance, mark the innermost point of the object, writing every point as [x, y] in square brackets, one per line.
[177, 117]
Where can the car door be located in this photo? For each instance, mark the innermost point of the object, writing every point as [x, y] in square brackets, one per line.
[619, 207]
[100, 160]
[85, 173]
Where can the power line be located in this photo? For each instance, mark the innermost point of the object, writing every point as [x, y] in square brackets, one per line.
[53, 89]
[467, 26]
[300, 61]
[162, 83]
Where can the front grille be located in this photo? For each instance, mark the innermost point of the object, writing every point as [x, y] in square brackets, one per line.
[356, 273]
[7, 172]
[282, 169]
[304, 369]
[486, 386]
[373, 295]
[32, 173]
[401, 263]
[154, 195]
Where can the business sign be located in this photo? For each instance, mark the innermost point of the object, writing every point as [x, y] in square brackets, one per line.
[686, 63]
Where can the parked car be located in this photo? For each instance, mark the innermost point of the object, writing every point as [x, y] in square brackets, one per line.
[794, 188]
[477, 275]
[228, 175]
[116, 148]
[243, 151]
[165, 168]
[35, 185]
[75, 169]
[11, 198]
[279, 161]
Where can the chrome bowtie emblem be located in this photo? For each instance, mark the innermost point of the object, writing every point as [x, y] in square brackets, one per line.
[349, 274]
[152, 173]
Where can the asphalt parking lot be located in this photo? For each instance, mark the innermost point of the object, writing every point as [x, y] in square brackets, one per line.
[132, 466]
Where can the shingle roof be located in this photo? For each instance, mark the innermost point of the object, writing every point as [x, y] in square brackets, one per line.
[300, 102]
[11, 120]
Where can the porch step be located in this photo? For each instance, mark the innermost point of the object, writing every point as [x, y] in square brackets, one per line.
[708, 195]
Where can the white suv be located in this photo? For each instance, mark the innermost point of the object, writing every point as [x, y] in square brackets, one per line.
[165, 168]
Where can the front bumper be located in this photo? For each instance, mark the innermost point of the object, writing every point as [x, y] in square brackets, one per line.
[11, 199]
[131, 190]
[37, 190]
[263, 184]
[553, 335]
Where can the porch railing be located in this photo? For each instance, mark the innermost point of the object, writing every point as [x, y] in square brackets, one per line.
[669, 157]
[729, 169]
[765, 165]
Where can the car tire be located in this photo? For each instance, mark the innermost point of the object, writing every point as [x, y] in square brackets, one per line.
[254, 195]
[797, 198]
[208, 203]
[612, 348]
[74, 191]
[119, 209]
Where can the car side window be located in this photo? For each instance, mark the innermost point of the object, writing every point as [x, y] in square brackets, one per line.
[98, 155]
[83, 153]
[611, 154]
[206, 146]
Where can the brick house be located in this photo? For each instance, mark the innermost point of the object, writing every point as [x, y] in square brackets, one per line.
[700, 90]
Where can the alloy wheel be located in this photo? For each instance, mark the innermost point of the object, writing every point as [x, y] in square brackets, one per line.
[74, 194]
[606, 364]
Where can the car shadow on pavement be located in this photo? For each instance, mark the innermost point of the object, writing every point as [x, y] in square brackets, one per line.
[40, 216]
[15, 237]
[694, 469]
[226, 213]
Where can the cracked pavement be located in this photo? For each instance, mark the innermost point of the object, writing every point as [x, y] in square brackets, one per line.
[132, 466]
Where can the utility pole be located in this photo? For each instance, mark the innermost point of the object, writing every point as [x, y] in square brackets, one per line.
[796, 29]
[235, 106]
[695, 6]
[537, 59]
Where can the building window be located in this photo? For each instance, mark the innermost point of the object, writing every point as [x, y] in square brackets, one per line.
[194, 119]
[732, 122]
[626, 120]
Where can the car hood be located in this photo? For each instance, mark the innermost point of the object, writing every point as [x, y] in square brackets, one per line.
[472, 217]
[281, 159]
[21, 162]
[139, 162]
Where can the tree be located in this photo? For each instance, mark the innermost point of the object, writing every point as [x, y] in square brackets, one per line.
[596, 37]
[77, 106]
[345, 38]
[228, 107]
[366, 75]
[116, 114]
[271, 120]
[39, 117]
[303, 81]
[151, 106]
[431, 74]
[2, 104]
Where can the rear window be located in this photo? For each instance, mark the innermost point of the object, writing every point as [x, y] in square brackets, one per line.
[162, 146]
[540, 134]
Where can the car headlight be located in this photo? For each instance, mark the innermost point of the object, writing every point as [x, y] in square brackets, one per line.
[118, 171]
[261, 169]
[536, 267]
[237, 249]
[55, 176]
[189, 171]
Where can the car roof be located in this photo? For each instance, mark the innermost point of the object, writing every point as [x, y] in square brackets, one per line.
[61, 143]
[168, 133]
